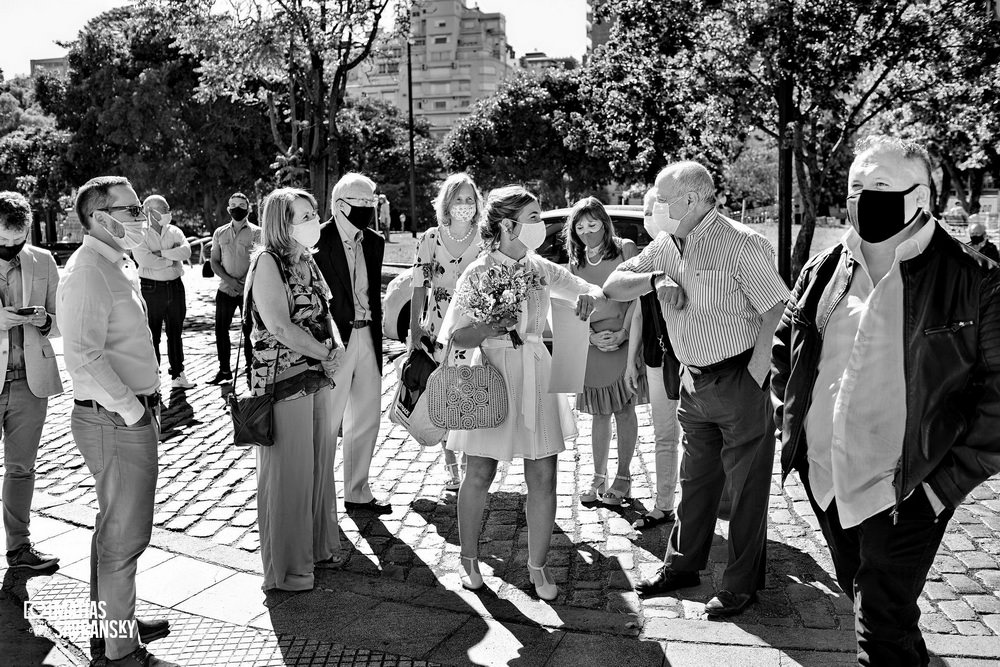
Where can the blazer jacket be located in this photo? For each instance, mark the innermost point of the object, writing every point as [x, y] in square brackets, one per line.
[39, 281]
[332, 261]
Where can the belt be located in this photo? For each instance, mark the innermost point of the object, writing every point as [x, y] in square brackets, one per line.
[360, 324]
[15, 374]
[740, 359]
[147, 400]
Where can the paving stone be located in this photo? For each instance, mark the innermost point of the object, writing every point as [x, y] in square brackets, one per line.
[957, 610]
[962, 584]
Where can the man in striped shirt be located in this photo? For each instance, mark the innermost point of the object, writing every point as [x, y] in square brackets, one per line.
[722, 298]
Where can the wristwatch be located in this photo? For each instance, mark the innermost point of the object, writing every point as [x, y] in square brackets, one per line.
[652, 279]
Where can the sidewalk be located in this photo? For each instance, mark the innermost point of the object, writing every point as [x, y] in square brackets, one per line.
[398, 601]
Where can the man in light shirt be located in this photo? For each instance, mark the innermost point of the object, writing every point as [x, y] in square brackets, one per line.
[161, 257]
[350, 258]
[115, 423]
[721, 297]
[886, 387]
[232, 244]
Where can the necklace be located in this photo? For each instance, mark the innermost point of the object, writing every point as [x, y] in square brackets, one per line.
[447, 231]
[592, 263]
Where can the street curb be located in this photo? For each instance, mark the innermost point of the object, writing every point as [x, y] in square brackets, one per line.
[540, 614]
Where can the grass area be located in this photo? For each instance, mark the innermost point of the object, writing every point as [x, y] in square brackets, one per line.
[403, 246]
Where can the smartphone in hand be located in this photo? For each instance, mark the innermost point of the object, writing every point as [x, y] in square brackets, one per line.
[26, 312]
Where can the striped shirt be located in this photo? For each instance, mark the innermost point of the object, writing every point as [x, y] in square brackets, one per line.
[730, 279]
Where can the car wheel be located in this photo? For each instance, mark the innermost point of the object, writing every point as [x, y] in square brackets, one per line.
[403, 323]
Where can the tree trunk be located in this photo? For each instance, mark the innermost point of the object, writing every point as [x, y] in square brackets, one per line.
[942, 199]
[975, 189]
[806, 175]
[956, 181]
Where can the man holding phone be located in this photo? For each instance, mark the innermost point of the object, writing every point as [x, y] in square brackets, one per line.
[28, 371]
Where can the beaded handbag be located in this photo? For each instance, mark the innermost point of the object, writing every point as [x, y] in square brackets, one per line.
[463, 398]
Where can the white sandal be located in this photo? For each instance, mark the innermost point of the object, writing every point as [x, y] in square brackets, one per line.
[545, 585]
[595, 492]
[472, 580]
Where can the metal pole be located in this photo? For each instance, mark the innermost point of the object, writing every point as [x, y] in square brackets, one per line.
[785, 152]
[413, 166]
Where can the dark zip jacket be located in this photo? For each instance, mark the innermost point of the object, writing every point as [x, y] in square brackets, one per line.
[951, 336]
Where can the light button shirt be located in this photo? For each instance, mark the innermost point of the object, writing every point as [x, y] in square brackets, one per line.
[857, 420]
[106, 340]
[356, 265]
[11, 294]
[174, 251]
[232, 248]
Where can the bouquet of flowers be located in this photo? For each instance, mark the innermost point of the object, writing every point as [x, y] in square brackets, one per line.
[497, 294]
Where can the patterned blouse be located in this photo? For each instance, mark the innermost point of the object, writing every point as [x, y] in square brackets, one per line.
[437, 270]
[309, 309]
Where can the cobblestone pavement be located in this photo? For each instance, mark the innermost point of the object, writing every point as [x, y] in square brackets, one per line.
[207, 490]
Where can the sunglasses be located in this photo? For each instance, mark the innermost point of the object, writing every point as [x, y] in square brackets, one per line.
[134, 210]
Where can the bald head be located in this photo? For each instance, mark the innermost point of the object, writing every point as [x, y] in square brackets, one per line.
[688, 176]
[977, 229]
[155, 203]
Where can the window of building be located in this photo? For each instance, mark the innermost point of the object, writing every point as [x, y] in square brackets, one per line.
[441, 104]
[488, 69]
[464, 102]
[442, 24]
[440, 88]
[463, 85]
[440, 56]
[441, 39]
[464, 68]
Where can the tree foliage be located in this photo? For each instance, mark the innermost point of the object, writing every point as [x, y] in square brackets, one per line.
[523, 133]
[291, 56]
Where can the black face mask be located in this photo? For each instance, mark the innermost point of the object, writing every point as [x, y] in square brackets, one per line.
[878, 214]
[976, 240]
[238, 213]
[9, 252]
[360, 216]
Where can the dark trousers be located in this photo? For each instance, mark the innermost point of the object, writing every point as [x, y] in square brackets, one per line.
[225, 309]
[882, 567]
[728, 443]
[166, 304]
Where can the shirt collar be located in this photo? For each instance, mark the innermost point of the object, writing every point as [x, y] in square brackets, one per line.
[504, 259]
[113, 255]
[908, 249]
[14, 262]
[348, 232]
[710, 218]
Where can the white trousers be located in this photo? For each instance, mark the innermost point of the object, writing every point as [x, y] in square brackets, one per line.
[357, 404]
[666, 436]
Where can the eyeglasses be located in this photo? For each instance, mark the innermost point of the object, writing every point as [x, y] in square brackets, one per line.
[134, 210]
[365, 201]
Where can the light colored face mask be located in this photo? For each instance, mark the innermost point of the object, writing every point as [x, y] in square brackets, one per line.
[307, 233]
[462, 213]
[661, 219]
[127, 235]
[531, 235]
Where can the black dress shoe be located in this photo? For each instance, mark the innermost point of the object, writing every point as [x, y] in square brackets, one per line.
[149, 631]
[371, 506]
[667, 580]
[221, 377]
[729, 604]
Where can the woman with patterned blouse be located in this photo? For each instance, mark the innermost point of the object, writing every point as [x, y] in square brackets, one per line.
[443, 253]
[296, 351]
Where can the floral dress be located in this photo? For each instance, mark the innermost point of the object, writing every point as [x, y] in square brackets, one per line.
[437, 270]
[538, 422]
[293, 374]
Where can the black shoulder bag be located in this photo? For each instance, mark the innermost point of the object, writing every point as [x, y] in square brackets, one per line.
[670, 366]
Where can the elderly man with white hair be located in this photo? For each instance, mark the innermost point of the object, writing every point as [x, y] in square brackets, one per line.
[161, 257]
[721, 298]
[350, 258]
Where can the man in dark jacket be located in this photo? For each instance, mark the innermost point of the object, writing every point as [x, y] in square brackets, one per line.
[981, 243]
[886, 387]
[350, 258]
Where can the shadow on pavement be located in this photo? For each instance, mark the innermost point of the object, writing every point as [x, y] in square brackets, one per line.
[21, 646]
[177, 415]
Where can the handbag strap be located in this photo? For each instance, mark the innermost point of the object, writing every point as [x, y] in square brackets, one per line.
[244, 324]
[451, 343]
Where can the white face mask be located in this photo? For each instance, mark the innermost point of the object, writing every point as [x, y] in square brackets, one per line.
[164, 219]
[661, 219]
[650, 226]
[462, 213]
[127, 235]
[531, 235]
[307, 233]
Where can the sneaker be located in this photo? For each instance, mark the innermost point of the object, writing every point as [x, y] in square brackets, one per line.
[181, 382]
[30, 557]
[222, 377]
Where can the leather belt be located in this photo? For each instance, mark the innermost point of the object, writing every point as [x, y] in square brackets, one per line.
[147, 400]
[15, 374]
[740, 359]
[360, 324]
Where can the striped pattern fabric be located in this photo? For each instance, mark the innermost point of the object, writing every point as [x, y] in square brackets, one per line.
[730, 278]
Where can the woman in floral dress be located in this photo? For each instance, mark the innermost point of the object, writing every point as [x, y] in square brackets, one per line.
[538, 422]
[443, 253]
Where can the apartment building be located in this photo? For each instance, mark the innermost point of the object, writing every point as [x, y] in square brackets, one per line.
[459, 54]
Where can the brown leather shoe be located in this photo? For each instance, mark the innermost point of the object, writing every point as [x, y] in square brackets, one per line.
[665, 581]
